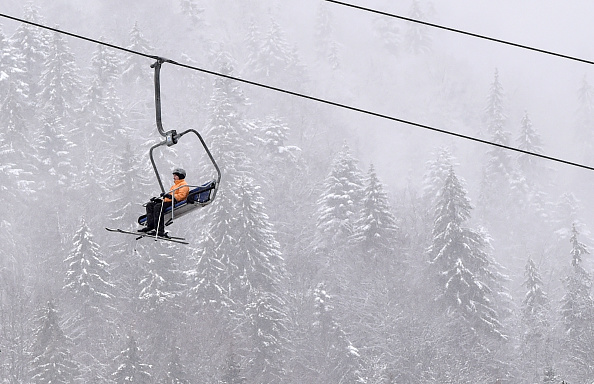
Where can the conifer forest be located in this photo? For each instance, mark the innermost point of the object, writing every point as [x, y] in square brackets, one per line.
[399, 203]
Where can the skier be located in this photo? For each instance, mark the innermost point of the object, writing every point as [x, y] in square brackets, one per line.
[155, 209]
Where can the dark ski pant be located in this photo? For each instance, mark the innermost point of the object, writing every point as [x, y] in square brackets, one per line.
[153, 209]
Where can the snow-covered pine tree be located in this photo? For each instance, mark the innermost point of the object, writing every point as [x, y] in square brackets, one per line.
[437, 171]
[215, 262]
[532, 181]
[52, 360]
[498, 174]
[268, 337]
[102, 113]
[91, 292]
[175, 373]
[130, 368]
[232, 373]
[417, 39]
[280, 170]
[33, 44]
[193, 11]
[129, 185]
[389, 34]
[326, 44]
[216, 257]
[376, 231]
[577, 311]
[495, 117]
[54, 149]
[550, 377]
[340, 202]
[276, 61]
[332, 357]
[529, 140]
[258, 261]
[535, 322]
[461, 264]
[15, 313]
[87, 278]
[323, 29]
[566, 214]
[584, 120]
[252, 43]
[256, 283]
[163, 281]
[274, 55]
[16, 145]
[60, 84]
[135, 71]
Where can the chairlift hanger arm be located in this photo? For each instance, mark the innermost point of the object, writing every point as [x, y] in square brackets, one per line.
[157, 65]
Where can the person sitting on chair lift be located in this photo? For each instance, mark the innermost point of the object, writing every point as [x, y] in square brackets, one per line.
[155, 209]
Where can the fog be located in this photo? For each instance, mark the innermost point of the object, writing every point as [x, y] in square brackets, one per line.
[331, 253]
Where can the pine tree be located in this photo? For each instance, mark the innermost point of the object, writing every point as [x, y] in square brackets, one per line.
[577, 310]
[255, 272]
[494, 113]
[584, 124]
[135, 71]
[216, 257]
[258, 261]
[60, 83]
[437, 172]
[417, 39]
[276, 60]
[54, 149]
[274, 54]
[130, 368]
[335, 359]
[326, 45]
[340, 201]
[33, 45]
[102, 114]
[87, 277]
[15, 315]
[192, 10]
[52, 361]
[550, 377]
[376, 231]
[15, 143]
[530, 141]
[463, 268]
[162, 282]
[15, 147]
[175, 371]
[498, 173]
[566, 214]
[577, 303]
[232, 370]
[535, 320]
[88, 283]
[268, 342]
[129, 182]
[389, 34]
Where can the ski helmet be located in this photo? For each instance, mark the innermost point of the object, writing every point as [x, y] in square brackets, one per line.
[179, 172]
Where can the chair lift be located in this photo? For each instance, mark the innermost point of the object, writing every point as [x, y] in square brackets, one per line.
[200, 195]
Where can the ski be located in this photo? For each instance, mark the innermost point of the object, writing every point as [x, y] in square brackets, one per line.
[140, 235]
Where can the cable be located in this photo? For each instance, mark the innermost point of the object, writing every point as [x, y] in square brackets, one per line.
[462, 32]
[309, 97]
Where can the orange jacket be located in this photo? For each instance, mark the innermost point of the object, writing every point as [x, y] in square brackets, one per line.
[180, 194]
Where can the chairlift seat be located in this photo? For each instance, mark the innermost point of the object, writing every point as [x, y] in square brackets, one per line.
[198, 197]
